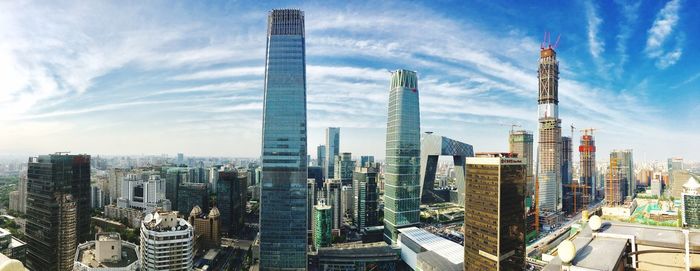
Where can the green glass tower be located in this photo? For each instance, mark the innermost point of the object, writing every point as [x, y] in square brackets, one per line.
[401, 184]
[322, 225]
[283, 234]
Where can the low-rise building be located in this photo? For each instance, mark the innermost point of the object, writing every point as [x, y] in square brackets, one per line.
[422, 250]
[107, 252]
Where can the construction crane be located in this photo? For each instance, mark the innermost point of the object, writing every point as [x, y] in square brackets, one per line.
[547, 42]
[588, 130]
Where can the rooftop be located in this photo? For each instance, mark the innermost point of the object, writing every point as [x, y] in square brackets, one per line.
[86, 256]
[449, 250]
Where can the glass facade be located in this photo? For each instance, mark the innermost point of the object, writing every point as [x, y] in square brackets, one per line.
[402, 185]
[332, 149]
[231, 200]
[284, 160]
[494, 225]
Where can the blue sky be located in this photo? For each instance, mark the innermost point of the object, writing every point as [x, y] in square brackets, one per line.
[163, 77]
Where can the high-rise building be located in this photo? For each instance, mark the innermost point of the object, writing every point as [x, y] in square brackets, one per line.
[549, 144]
[494, 224]
[190, 195]
[366, 195]
[231, 200]
[174, 176]
[333, 199]
[159, 232]
[587, 171]
[623, 178]
[180, 159]
[402, 175]
[344, 165]
[332, 150]
[22, 193]
[107, 252]
[322, 225]
[96, 197]
[58, 209]
[311, 198]
[566, 161]
[521, 143]
[144, 193]
[675, 164]
[283, 236]
[366, 160]
[690, 200]
[320, 155]
[207, 228]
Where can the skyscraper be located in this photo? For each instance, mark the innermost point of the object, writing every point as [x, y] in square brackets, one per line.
[231, 200]
[283, 236]
[344, 166]
[623, 182]
[333, 199]
[494, 225]
[366, 160]
[322, 225]
[320, 155]
[520, 143]
[588, 168]
[566, 162]
[332, 149]
[365, 213]
[190, 195]
[549, 147]
[58, 209]
[402, 175]
[159, 232]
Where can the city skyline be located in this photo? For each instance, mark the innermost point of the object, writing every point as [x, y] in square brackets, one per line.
[197, 89]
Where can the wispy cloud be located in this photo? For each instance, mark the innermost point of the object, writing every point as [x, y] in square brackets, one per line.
[595, 45]
[663, 26]
[629, 15]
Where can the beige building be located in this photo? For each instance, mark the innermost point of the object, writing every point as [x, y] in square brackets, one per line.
[207, 229]
[107, 252]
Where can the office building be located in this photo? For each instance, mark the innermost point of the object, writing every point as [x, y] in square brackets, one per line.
[521, 143]
[159, 232]
[588, 174]
[190, 195]
[377, 256]
[311, 198]
[494, 225]
[690, 200]
[655, 188]
[332, 150]
[107, 252]
[231, 200]
[207, 228]
[283, 235]
[401, 178]
[333, 199]
[143, 192]
[320, 156]
[433, 146]
[174, 176]
[366, 160]
[322, 225]
[366, 211]
[566, 162]
[96, 197]
[549, 143]
[58, 209]
[344, 165]
[180, 159]
[316, 173]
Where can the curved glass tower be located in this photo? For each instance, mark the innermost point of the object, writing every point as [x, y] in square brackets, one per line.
[284, 166]
[402, 174]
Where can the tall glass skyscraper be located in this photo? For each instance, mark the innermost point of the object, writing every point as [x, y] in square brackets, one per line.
[332, 149]
[284, 159]
[401, 184]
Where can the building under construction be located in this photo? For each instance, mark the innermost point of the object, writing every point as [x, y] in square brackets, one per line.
[549, 148]
[587, 172]
[620, 177]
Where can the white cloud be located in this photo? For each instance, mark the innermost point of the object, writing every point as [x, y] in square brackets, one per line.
[663, 26]
[596, 46]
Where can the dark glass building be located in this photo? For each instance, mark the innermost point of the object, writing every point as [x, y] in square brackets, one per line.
[366, 195]
[231, 200]
[283, 208]
[58, 209]
[401, 183]
[174, 176]
[494, 218]
[190, 195]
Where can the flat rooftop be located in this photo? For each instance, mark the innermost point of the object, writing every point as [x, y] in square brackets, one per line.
[86, 256]
[447, 249]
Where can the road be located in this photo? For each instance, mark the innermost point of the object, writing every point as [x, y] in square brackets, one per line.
[564, 227]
